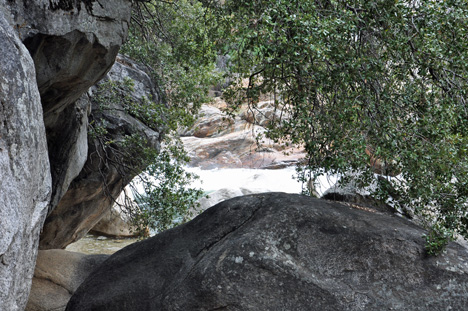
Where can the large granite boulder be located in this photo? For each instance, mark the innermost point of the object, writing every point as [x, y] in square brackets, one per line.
[110, 165]
[57, 275]
[25, 182]
[281, 252]
[73, 44]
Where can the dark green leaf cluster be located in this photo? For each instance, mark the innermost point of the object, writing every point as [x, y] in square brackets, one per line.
[168, 199]
[172, 39]
[360, 82]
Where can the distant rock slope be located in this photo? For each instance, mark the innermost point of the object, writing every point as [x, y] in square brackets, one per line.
[280, 252]
[218, 141]
[25, 182]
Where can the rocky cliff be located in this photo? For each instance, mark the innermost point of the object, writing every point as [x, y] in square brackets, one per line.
[73, 45]
[52, 53]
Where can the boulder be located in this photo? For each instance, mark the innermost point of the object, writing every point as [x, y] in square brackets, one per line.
[217, 196]
[110, 166]
[347, 190]
[25, 182]
[263, 114]
[114, 224]
[57, 275]
[350, 192]
[219, 141]
[224, 194]
[279, 251]
[73, 43]
[211, 122]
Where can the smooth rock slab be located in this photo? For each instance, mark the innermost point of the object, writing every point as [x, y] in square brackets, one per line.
[280, 251]
[57, 275]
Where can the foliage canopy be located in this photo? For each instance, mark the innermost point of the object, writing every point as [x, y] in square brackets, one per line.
[386, 77]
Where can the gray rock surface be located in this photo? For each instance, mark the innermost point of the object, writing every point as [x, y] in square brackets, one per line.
[68, 147]
[57, 275]
[73, 44]
[281, 252]
[224, 194]
[25, 182]
[91, 195]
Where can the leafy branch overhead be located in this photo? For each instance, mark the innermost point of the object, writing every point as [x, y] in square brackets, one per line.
[365, 80]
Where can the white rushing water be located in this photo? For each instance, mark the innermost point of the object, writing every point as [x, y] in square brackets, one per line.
[260, 180]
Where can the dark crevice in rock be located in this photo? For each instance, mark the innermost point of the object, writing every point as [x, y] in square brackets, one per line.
[258, 205]
[69, 5]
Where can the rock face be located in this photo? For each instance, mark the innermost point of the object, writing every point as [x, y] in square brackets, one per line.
[51, 53]
[57, 275]
[280, 252]
[25, 182]
[73, 44]
[105, 173]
